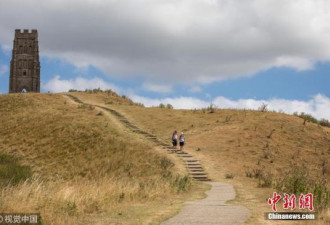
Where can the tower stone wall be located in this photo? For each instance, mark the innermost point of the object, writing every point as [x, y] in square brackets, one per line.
[25, 65]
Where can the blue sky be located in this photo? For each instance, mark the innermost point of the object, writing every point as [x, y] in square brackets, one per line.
[186, 53]
[277, 82]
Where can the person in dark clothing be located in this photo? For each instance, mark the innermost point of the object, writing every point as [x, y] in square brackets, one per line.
[175, 139]
[182, 140]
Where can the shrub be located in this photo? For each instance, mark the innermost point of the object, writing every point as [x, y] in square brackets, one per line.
[306, 117]
[324, 122]
[166, 163]
[161, 105]
[248, 173]
[109, 91]
[229, 176]
[211, 108]
[227, 119]
[96, 90]
[263, 107]
[169, 106]
[265, 180]
[257, 172]
[298, 181]
[181, 184]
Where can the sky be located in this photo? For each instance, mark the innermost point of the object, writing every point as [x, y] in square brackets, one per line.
[188, 53]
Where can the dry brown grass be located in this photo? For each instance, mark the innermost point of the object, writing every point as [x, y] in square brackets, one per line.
[85, 167]
[238, 141]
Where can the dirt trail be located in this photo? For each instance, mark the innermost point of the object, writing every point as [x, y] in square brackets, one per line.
[212, 209]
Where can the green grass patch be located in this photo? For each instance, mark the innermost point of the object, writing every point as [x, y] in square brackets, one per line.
[11, 172]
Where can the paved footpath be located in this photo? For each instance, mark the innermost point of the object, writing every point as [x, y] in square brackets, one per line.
[212, 209]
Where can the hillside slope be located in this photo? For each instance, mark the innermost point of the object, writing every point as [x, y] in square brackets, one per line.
[83, 164]
[258, 149]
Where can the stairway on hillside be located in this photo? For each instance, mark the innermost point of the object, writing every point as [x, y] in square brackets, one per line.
[195, 169]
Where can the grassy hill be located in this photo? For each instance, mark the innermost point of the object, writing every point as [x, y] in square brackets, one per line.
[258, 152]
[77, 165]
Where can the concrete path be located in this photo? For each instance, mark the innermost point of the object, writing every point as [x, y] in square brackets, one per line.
[212, 209]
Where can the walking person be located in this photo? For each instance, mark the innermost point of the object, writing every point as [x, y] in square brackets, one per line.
[182, 140]
[175, 139]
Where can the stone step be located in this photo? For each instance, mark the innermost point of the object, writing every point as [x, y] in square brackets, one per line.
[167, 147]
[202, 179]
[198, 166]
[182, 153]
[185, 156]
[199, 176]
[196, 170]
[198, 173]
[191, 160]
[194, 167]
[192, 163]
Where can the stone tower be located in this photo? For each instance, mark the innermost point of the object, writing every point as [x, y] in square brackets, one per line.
[25, 65]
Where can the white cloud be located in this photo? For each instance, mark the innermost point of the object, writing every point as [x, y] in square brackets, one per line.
[3, 69]
[175, 41]
[159, 88]
[79, 83]
[318, 106]
[297, 63]
[178, 103]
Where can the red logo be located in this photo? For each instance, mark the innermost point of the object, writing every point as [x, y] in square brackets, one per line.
[305, 201]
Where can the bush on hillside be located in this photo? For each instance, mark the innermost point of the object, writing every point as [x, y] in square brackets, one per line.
[263, 107]
[169, 106]
[306, 117]
[298, 181]
[324, 122]
[212, 108]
